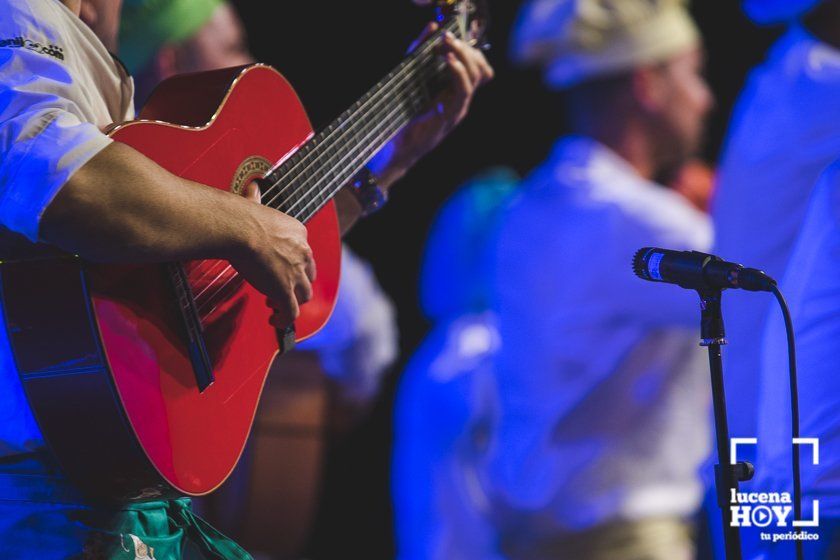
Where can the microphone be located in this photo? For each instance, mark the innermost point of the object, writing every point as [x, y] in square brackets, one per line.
[698, 271]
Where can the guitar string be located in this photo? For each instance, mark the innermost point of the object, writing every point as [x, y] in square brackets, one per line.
[406, 73]
[376, 96]
[217, 269]
[381, 133]
[333, 167]
[392, 107]
[210, 298]
[400, 121]
[417, 103]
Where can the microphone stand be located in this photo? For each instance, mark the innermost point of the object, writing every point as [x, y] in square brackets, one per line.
[727, 475]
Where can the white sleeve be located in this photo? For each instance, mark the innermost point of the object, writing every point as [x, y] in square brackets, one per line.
[360, 340]
[44, 138]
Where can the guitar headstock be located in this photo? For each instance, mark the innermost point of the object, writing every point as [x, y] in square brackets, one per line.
[471, 16]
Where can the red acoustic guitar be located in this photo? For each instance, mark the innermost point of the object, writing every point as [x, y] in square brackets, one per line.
[145, 379]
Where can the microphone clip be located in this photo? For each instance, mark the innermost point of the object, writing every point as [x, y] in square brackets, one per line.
[712, 331]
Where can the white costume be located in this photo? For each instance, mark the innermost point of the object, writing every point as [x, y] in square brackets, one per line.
[784, 132]
[604, 389]
[360, 341]
[56, 78]
[812, 289]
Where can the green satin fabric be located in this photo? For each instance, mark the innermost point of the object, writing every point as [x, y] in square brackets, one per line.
[163, 530]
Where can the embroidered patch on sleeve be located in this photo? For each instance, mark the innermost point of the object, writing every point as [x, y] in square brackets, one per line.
[20, 43]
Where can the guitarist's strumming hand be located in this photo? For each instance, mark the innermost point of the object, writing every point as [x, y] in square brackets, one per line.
[280, 263]
[470, 70]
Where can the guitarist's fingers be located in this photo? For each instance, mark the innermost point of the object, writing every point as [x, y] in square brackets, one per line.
[304, 278]
[303, 292]
[427, 32]
[311, 270]
[479, 69]
[279, 320]
[451, 45]
[286, 313]
[252, 192]
[458, 104]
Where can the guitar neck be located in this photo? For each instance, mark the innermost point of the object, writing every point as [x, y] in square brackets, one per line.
[304, 182]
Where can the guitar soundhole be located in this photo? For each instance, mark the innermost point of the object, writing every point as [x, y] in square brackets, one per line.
[253, 168]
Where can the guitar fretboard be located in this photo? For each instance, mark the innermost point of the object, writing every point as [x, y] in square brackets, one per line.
[305, 181]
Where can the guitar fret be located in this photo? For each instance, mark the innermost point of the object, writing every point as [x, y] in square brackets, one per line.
[369, 128]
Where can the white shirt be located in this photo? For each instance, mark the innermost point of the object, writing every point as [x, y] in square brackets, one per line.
[446, 408]
[784, 132]
[58, 87]
[360, 341]
[604, 389]
[812, 289]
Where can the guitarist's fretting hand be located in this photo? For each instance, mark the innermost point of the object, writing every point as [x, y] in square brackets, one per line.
[470, 70]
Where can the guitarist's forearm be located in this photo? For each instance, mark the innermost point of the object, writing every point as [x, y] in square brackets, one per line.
[123, 207]
[348, 208]
[387, 171]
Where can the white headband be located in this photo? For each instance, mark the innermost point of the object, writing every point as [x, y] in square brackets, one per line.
[577, 40]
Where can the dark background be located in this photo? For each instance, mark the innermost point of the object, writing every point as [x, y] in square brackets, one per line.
[332, 52]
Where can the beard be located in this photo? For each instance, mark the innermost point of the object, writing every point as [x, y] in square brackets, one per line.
[674, 151]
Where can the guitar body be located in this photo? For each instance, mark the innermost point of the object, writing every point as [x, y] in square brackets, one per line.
[101, 349]
[145, 379]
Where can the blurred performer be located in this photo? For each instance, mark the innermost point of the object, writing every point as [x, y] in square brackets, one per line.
[785, 130]
[604, 391]
[812, 288]
[161, 39]
[269, 502]
[446, 404]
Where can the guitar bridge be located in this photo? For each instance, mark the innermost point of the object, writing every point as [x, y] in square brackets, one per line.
[193, 330]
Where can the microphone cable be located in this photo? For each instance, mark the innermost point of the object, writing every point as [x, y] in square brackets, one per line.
[700, 271]
[794, 413]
